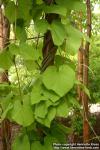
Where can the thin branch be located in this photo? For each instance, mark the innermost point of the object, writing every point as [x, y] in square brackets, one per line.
[88, 69]
[31, 38]
[37, 40]
[18, 80]
[96, 136]
[93, 130]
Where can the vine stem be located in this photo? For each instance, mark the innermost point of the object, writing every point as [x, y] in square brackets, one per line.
[96, 136]
[18, 79]
[91, 127]
[89, 69]
[30, 38]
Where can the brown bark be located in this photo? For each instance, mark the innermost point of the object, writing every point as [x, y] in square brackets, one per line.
[49, 49]
[4, 36]
[85, 75]
[80, 73]
[80, 62]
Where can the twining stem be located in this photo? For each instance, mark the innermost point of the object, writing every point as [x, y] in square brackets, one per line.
[18, 79]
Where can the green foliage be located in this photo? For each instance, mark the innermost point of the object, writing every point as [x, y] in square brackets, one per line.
[94, 70]
[77, 122]
[57, 9]
[41, 26]
[74, 39]
[22, 114]
[84, 88]
[21, 34]
[40, 110]
[63, 109]
[60, 80]
[72, 5]
[23, 9]
[10, 11]
[48, 118]
[55, 27]
[40, 93]
[47, 144]
[34, 99]
[26, 51]
[5, 60]
[21, 142]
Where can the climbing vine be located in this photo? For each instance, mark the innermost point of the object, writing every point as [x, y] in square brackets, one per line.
[43, 36]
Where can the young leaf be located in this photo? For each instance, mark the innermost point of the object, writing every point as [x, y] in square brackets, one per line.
[59, 80]
[48, 142]
[49, 117]
[3, 116]
[73, 41]
[58, 32]
[22, 114]
[72, 102]
[87, 92]
[84, 88]
[41, 110]
[41, 26]
[37, 93]
[36, 145]
[63, 109]
[26, 51]
[21, 33]
[39, 2]
[5, 60]
[58, 133]
[14, 49]
[40, 93]
[10, 11]
[57, 9]
[31, 65]
[76, 5]
[23, 10]
[21, 143]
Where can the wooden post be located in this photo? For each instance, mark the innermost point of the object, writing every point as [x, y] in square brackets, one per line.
[80, 63]
[4, 38]
[85, 75]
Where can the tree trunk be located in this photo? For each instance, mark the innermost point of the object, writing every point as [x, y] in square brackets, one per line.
[85, 75]
[80, 63]
[49, 49]
[4, 38]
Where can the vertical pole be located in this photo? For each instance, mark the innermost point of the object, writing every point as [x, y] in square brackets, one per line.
[80, 63]
[85, 75]
[4, 37]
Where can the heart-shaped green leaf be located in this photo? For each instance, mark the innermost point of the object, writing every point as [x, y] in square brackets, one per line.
[22, 114]
[59, 80]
